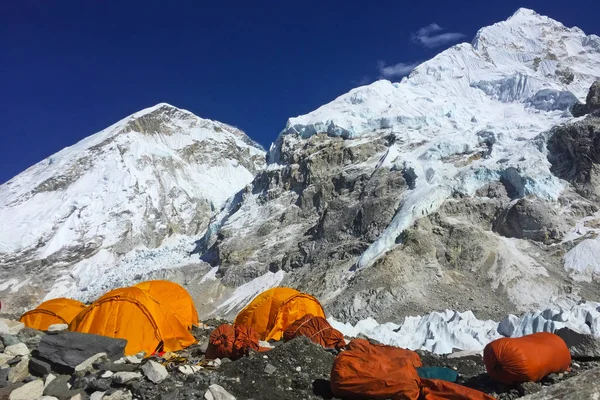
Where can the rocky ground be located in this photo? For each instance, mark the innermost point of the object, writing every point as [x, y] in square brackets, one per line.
[66, 366]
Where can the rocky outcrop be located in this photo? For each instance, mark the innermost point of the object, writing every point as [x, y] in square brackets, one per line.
[581, 345]
[583, 387]
[592, 103]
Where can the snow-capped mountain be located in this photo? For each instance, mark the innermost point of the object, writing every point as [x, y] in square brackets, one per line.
[150, 181]
[437, 191]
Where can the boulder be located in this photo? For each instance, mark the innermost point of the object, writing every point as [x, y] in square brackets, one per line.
[19, 372]
[70, 349]
[585, 386]
[10, 327]
[122, 378]
[216, 392]
[155, 372]
[39, 368]
[581, 345]
[19, 349]
[30, 391]
[60, 388]
[9, 340]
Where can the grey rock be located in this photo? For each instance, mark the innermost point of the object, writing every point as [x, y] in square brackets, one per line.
[70, 349]
[133, 360]
[112, 367]
[9, 340]
[532, 219]
[581, 346]
[97, 395]
[119, 395]
[216, 392]
[585, 386]
[270, 369]
[59, 388]
[48, 398]
[592, 102]
[123, 377]
[20, 371]
[10, 327]
[30, 391]
[5, 359]
[154, 371]
[4, 377]
[39, 368]
[58, 328]
[89, 362]
[19, 349]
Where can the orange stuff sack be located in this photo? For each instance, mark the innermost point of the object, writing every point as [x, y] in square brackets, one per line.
[364, 372]
[316, 329]
[51, 312]
[526, 359]
[233, 342]
[436, 389]
[393, 353]
[272, 311]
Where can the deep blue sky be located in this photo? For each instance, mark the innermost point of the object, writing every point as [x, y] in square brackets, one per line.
[70, 68]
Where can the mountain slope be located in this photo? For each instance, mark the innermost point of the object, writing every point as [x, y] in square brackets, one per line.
[399, 198]
[153, 178]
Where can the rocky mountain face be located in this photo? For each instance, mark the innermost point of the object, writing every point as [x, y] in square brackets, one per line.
[467, 185]
[117, 203]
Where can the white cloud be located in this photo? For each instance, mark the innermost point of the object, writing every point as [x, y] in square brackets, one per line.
[395, 70]
[430, 36]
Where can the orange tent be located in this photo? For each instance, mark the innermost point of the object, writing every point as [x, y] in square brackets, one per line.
[176, 297]
[51, 312]
[133, 314]
[272, 311]
[526, 359]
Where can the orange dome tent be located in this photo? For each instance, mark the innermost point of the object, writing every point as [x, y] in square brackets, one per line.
[272, 311]
[51, 312]
[176, 297]
[133, 314]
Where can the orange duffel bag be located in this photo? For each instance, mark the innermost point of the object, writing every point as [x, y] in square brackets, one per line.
[364, 372]
[316, 329]
[391, 352]
[232, 341]
[437, 389]
[526, 359]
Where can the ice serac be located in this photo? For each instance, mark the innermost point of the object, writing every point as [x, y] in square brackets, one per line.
[119, 204]
[402, 197]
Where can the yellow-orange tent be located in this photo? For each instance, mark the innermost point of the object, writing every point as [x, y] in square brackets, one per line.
[272, 311]
[176, 297]
[133, 314]
[51, 312]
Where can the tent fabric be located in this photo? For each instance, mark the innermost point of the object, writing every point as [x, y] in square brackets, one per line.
[178, 299]
[316, 329]
[132, 314]
[437, 389]
[55, 311]
[441, 373]
[232, 341]
[526, 359]
[272, 311]
[370, 371]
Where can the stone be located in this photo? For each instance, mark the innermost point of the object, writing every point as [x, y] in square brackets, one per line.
[189, 369]
[270, 369]
[216, 363]
[123, 377]
[97, 395]
[30, 391]
[49, 379]
[19, 371]
[581, 345]
[78, 396]
[9, 340]
[584, 386]
[58, 328]
[89, 362]
[216, 392]
[4, 359]
[106, 374]
[155, 372]
[48, 398]
[70, 349]
[39, 368]
[10, 327]
[59, 387]
[119, 395]
[19, 349]
[133, 360]
[4, 377]
[108, 366]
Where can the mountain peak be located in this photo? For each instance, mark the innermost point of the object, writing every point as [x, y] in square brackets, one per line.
[524, 12]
